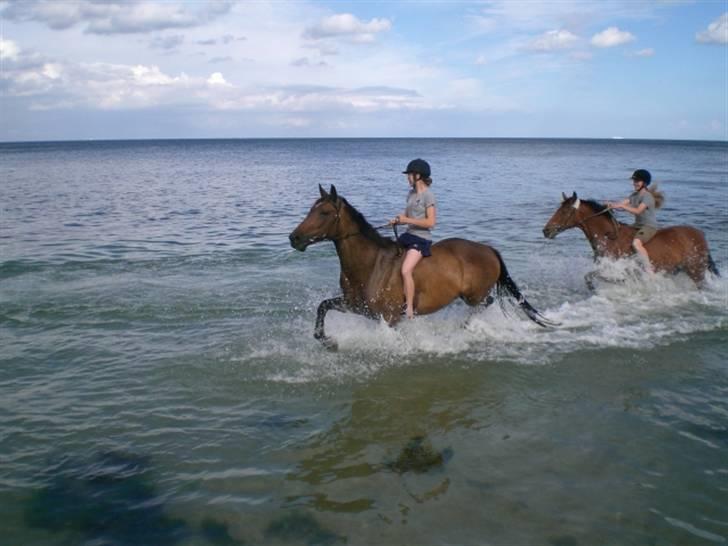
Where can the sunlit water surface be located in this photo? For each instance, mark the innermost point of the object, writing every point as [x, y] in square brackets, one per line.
[159, 381]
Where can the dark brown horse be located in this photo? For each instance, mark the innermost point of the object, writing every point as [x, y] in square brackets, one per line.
[370, 268]
[672, 249]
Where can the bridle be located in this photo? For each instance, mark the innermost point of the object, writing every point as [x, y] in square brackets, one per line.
[613, 236]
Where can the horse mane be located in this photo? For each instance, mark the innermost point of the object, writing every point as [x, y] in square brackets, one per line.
[366, 229]
[598, 207]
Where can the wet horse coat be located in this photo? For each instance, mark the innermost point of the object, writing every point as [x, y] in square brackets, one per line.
[371, 280]
[672, 249]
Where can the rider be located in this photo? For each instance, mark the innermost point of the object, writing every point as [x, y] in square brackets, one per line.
[641, 203]
[420, 216]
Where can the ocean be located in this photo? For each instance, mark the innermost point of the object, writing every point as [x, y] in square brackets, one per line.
[160, 384]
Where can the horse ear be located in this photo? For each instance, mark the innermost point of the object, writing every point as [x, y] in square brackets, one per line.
[322, 191]
[563, 197]
[574, 196]
[576, 203]
[333, 192]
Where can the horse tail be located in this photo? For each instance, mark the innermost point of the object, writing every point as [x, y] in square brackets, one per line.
[712, 267]
[507, 286]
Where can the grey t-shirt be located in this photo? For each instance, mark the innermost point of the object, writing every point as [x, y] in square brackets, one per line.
[417, 204]
[647, 218]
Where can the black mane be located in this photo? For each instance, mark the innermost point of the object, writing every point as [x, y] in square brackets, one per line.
[366, 229]
[598, 207]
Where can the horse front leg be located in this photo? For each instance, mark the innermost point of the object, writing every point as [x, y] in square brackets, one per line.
[336, 304]
[589, 279]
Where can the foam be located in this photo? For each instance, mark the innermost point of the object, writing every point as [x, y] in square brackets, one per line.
[639, 312]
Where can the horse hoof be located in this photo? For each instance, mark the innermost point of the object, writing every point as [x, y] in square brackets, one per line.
[327, 342]
[330, 344]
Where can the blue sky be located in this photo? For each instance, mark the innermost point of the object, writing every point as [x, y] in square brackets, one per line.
[140, 69]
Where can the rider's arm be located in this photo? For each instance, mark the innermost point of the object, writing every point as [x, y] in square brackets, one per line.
[428, 222]
[635, 210]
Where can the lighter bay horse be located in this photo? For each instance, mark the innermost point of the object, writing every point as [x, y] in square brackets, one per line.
[672, 249]
[370, 268]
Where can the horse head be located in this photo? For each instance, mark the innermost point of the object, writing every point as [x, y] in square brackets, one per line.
[321, 222]
[564, 218]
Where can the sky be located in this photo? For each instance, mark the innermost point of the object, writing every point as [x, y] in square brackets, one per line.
[99, 69]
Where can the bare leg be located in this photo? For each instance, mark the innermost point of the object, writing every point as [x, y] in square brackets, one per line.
[640, 248]
[337, 304]
[408, 266]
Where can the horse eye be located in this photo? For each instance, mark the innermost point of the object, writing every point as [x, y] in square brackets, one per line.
[324, 213]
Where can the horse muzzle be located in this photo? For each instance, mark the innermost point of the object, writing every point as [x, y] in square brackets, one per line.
[298, 242]
[301, 243]
[551, 231]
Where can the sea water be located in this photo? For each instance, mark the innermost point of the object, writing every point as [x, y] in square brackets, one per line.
[159, 382]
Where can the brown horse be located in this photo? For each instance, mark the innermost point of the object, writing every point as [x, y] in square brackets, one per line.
[370, 268]
[672, 249]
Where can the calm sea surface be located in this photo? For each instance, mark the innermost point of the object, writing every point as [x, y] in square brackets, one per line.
[159, 382]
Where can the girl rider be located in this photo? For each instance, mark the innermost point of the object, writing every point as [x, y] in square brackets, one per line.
[642, 204]
[419, 215]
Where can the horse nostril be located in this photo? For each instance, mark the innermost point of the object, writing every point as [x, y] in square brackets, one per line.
[293, 238]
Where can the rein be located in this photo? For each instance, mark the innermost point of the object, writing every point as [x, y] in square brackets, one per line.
[614, 235]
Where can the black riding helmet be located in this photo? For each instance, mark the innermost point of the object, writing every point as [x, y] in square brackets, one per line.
[643, 175]
[419, 166]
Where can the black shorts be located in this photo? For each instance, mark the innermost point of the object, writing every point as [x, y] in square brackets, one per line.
[408, 240]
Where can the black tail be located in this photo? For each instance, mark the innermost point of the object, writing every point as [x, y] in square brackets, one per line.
[507, 286]
[712, 267]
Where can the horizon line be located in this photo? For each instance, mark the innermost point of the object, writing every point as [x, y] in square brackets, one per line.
[178, 139]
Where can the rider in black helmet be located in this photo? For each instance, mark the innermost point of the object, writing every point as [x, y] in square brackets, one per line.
[641, 203]
[420, 218]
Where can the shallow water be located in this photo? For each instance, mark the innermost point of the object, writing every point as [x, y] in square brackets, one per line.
[160, 383]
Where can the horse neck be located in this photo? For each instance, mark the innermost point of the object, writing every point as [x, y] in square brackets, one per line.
[599, 231]
[357, 254]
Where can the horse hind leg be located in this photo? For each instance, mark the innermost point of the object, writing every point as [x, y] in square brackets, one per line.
[696, 271]
[476, 306]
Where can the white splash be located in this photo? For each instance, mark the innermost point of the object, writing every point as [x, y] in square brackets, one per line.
[632, 310]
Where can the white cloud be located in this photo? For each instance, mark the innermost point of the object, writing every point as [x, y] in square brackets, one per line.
[118, 87]
[8, 49]
[611, 37]
[52, 71]
[716, 33]
[359, 82]
[348, 26]
[131, 16]
[150, 75]
[647, 52]
[216, 78]
[553, 40]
